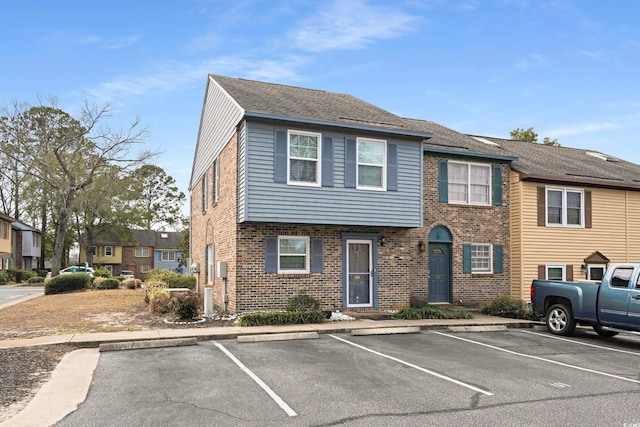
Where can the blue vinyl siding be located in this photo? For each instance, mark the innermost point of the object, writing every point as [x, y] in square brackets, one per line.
[270, 201]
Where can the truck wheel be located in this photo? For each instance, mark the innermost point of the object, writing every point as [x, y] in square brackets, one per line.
[604, 333]
[560, 320]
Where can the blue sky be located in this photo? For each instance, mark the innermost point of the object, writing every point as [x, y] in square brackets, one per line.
[568, 68]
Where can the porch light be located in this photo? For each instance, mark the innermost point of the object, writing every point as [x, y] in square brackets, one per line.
[421, 246]
[383, 240]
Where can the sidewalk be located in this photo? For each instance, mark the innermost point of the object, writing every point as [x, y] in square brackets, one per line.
[88, 340]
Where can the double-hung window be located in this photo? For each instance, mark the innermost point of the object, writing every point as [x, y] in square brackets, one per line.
[304, 151]
[481, 258]
[108, 251]
[469, 183]
[142, 251]
[168, 256]
[293, 255]
[565, 207]
[556, 272]
[371, 164]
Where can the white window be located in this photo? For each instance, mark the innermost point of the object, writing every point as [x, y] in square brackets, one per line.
[211, 262]
[168, 256]
[595, 271]
[205, 190]
[565, 207]
[142, 252]
[36, 240]
[556, 272]
[469, 183]
[293, 255]
[481, 258]
[108, 251]
[303, 166]
[144, 268]
[216, 176]
[371, 164]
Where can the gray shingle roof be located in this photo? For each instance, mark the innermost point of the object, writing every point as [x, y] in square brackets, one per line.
[539, 161]
[449, 140]
[289, 101]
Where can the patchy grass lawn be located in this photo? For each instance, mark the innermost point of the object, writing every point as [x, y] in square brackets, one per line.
[78, 312]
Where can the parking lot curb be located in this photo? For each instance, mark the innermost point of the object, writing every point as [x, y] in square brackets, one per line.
[136, 345]
[386, 331]
[278, 337]
[487, 328]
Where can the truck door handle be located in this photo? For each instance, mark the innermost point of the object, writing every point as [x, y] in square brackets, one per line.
[636, 296]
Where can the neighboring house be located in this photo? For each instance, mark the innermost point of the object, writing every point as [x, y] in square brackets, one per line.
[166, 255]
[144, 251]
[297, 189]
[27, 246]
[573, 212]
[6, 247]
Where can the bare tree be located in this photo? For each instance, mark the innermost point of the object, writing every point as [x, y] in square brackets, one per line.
[66, 154]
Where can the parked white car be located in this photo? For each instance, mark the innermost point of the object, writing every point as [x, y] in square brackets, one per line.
[127, 274]
[78, 269]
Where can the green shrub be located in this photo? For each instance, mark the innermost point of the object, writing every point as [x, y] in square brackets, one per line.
[3, 278]
[417, 301]
[185, 304]
[102, 272]
[172, 279]
[303, 302]
[160, 300]
[36, 280]
[149, 288]
[431, 312]
[20, 276]
[280, 318]
[507, 306]
[132, 283]
[106, 283]
[64, 283]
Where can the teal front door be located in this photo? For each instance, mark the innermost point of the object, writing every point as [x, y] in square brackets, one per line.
[439, 273]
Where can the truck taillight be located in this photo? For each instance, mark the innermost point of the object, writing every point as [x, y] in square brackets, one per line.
[532, 291]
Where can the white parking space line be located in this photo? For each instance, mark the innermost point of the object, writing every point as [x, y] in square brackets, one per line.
[581, 343]
[542, 359]
[419, 368]
[286, 408]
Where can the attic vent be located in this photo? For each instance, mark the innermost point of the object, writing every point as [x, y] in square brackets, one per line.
[485, 141]
[164, 236]
[601, 156]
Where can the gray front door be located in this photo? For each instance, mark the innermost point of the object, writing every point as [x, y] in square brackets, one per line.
[359, 273]
[439, 273]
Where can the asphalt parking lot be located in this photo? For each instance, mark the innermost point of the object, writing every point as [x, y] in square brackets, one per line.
[513, 377]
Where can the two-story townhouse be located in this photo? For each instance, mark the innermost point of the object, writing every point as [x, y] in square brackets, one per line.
[6, 254]
[140, 251]
[167, 255]
[27, 246]
[572, 212]
[295, 188]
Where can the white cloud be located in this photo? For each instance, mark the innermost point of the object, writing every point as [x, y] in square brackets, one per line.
[349, 25]
[172, 77]
[531, 61]
[581, 128]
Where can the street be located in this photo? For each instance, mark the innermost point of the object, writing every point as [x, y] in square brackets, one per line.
[513, 377]
[14, 293]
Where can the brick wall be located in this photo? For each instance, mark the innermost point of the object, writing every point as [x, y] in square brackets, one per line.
[468, 224]
[217, 224]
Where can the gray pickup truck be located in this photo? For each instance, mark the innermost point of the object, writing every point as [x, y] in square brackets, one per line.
[610, 306]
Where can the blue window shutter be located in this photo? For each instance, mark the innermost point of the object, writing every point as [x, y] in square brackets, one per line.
[316, 255]
[497, 259]
[443, 175]
[497, 186]
[392, 167]
[271, 254]
[327, 161]
[466, 258]
[350, 163]
[280, 160]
